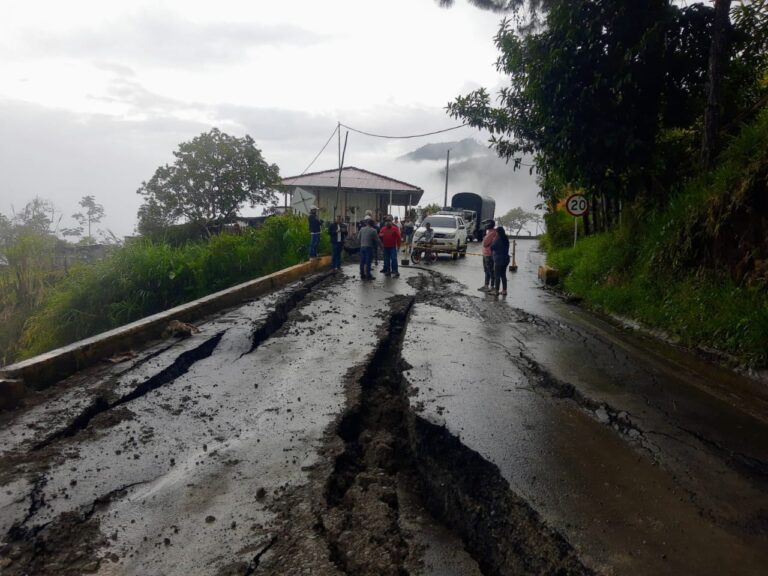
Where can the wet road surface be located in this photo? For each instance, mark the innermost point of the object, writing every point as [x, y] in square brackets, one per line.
[403, 426]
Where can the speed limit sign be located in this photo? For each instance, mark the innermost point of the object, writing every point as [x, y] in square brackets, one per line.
[576, 204]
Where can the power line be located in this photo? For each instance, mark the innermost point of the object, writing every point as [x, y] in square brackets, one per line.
[402, 137]
[321, 151]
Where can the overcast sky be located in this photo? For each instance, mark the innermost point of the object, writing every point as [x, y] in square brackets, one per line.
[96, 95]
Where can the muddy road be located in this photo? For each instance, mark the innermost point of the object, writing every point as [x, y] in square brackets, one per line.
[402, 426]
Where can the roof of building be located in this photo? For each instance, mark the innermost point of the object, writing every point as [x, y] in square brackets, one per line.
[351, 178]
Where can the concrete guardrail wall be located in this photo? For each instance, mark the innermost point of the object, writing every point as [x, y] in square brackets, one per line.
[42, 371]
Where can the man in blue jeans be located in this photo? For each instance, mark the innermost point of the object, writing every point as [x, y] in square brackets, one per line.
[314, 232]
[390, 239]
[369, 242]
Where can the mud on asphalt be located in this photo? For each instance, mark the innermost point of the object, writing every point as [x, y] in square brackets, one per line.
[346, 520]
[349, 517]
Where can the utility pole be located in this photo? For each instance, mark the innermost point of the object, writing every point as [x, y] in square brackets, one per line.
[447, 163]
[341, 167]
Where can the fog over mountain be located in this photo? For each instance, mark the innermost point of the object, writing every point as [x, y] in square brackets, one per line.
[465, 148]
[477, 169]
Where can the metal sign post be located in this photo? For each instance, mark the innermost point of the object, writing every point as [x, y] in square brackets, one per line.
[576, 205]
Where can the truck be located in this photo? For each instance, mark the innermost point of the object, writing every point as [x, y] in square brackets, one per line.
[483, 208]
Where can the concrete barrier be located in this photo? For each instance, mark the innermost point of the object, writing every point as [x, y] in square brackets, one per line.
[41, 371]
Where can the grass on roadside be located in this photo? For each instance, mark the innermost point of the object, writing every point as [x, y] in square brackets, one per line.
[673, 268]
[144, 278]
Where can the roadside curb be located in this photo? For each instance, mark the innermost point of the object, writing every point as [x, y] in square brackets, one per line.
[42, 371]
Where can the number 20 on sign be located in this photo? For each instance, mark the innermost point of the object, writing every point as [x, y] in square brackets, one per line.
[576, 205]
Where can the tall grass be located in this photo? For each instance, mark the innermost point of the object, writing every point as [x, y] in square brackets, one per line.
[658, 267]
[143, 278]
[24, 282]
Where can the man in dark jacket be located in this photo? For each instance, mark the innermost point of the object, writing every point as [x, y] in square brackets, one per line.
[338, 232]
[314, 232]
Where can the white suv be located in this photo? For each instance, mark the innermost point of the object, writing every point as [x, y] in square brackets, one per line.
[450, 233]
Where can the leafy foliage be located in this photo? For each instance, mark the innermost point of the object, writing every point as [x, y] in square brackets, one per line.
[213, 176]
[92, 214]
[696, 268]
[517, 218]
[143, 278]
[430, 209]
[588, 100]
[29, 269]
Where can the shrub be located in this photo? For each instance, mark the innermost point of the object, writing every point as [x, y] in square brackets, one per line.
[145, 277]
[675, 267]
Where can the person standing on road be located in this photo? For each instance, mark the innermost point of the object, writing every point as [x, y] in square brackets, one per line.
[490, 236]
[369, 243]
[500, 255]
[408, 229]
[338, 233]
[314, 232]
[390, 240]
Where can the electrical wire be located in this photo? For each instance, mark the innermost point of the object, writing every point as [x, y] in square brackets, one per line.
[418, 136]
[321, 150]
[402, 137]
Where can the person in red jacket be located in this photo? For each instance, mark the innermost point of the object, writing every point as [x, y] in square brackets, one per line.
[490, 236]
[390, 239]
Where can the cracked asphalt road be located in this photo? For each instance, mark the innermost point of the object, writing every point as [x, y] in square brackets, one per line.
[405, 426]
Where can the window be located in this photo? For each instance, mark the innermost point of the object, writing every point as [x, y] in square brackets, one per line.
[441, 221]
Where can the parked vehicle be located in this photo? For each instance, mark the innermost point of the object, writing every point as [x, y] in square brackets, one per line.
[484, 208]
[469, 217]
[450, 234]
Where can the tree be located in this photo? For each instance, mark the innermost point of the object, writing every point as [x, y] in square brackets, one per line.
[718, 55]
[589, 99]
[6, 232]
[92, 215]
[213, 176]
[517, 218]
[37, 216]
[528, 13]
[430, 209]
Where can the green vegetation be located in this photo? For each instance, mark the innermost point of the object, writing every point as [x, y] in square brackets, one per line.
[655, 111]
[144, 278]
[46, 301]
[28, 253]
[213, 176]
[516, 219]
[696, 268]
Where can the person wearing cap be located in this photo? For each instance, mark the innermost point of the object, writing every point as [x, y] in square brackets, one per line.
[314, 232]
[369, 242]
[390, 240]
[338, 232]
[490, 237]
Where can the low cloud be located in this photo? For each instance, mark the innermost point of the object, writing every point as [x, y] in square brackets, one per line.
[63, 156]
[165, 39]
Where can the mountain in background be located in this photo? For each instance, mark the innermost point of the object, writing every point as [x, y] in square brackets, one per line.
[474, 168]
[466, 148]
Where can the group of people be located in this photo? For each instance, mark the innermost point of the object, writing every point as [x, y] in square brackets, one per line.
[388, 237]
[495, 259]
[392, 234]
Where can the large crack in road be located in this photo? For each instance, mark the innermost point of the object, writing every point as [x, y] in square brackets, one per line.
[387, 450]
[386, 471]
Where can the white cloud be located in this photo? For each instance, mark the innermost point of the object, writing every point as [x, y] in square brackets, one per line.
[97, 94]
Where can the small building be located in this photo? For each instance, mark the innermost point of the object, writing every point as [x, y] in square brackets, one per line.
[360, 190]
